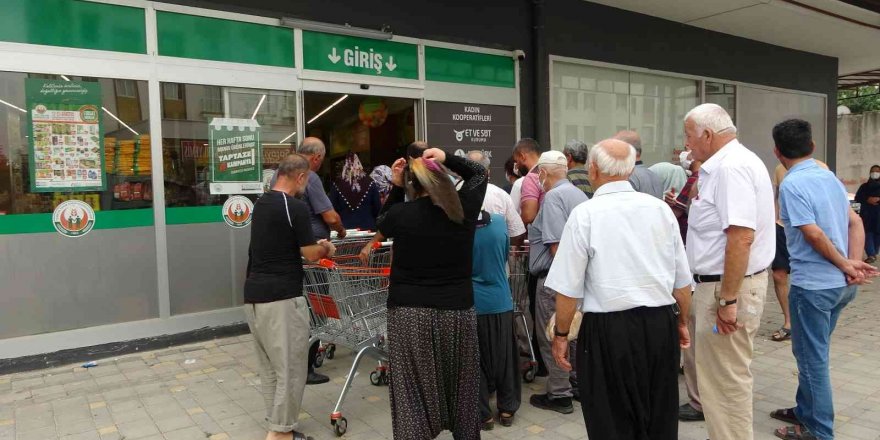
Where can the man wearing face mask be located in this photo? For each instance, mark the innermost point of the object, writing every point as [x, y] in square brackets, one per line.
[560, 198]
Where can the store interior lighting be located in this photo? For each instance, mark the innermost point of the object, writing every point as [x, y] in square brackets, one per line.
[257, 110]
[105, 111]
[288, 137]
[327, 109]
[336, 29]
[13, 106]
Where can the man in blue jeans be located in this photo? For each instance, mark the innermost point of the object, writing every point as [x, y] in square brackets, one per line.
[825, 239]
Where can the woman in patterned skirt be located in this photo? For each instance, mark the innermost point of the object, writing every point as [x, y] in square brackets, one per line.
[432, 326]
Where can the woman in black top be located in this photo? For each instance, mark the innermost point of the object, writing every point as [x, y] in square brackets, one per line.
[432, 327]
[868, 196]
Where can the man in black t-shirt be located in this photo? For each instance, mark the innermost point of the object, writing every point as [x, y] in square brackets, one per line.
[277, 313]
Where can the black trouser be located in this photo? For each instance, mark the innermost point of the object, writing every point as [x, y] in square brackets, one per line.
[532, 290]
[628, 369]
[499, 369]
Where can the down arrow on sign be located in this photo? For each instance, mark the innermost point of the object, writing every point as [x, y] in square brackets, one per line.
[390, 64]
[334, 57]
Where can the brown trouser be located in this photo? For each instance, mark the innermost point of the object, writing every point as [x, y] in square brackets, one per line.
[723, 361]
[281, 341]
[690, 366]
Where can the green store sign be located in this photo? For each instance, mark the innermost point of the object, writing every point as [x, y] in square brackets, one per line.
[362, 56]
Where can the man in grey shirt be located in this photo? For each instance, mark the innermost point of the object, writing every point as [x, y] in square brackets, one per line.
[544, 235]
[642, 179]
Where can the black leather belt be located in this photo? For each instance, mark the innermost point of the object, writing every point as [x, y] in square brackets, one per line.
[716, 278]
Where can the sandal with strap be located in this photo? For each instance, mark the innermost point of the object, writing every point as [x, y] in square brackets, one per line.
[796, 432]
[506, 419]
[783, 334]
[786, 415]
[301, 436]
[488, 425]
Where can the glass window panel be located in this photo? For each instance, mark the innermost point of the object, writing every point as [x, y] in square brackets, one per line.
[588, 83]
[185, 134]
[589, 101]
[124, 148]
[571, 99]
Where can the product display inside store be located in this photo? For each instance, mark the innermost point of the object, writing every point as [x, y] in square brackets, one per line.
[73, 138]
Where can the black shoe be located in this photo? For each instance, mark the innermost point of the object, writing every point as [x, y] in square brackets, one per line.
[560, 405]
[687, 413]
[317, 378]
[576, 394]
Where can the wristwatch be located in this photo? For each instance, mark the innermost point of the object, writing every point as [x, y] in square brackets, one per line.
[558, 333]
[726, 302]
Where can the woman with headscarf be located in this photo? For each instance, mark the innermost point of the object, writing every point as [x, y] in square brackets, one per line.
[381, 175]
[868, 196]
[355, 196]
[432, 325]
[671, 175]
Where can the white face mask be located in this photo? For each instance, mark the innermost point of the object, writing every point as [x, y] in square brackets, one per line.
[685, 160]
[875, 175]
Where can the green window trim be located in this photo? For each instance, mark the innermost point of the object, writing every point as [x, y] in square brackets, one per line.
[456, 66]
[193, 214]
[42, 223]
[74, 23]
[216, 39]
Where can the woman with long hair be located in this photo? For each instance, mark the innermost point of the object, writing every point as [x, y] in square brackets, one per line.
[432, 325]
[355, 196]
[869, 197]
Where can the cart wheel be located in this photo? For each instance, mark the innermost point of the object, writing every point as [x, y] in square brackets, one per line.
[331, 351]
[319, 360]
[386, 378]
[529, 375]
[341, 426]
[375, 378]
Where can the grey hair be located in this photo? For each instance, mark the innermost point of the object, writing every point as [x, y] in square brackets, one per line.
[554, 170]
[479, 157]
[312, 147]
[292, 164]
[610, 165]
[710, 117]
[577, 150]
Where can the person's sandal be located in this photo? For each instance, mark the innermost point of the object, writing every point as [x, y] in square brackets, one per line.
[506, 419]
[301, 436]
[488, 425]
[785, 415]
[796, 432]
[783, 334]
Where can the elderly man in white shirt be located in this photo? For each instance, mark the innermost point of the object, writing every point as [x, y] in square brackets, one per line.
[731, 242]
[635, 301]
[497, 201]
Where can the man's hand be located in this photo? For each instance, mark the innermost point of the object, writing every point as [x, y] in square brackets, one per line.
[669, 197]
[725, 320]
[340, 234]
[434, 153]
[873, 200]
[560, 352]
[331, 249]
[397, 172]
[858, 272]
[684, 336]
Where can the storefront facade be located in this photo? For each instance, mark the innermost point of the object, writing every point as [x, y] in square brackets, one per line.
[165, 101]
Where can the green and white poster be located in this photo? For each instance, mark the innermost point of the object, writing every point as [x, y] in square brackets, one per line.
[66, 135]
[236, 156]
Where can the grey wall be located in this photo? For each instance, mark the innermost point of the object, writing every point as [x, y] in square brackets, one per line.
[859, 140]
[51, 283]
[206, 266]
[579, 29]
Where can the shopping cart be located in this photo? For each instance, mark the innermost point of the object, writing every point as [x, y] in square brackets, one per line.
[348, 306]
[518, 267]
[347, 251]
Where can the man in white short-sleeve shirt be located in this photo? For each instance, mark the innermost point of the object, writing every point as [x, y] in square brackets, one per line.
[622, 255]
[731, 242]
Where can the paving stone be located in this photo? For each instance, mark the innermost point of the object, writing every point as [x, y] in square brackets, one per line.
[38, 434]
[191, 433]
[174, 423]
[137, 429]
[75, 427]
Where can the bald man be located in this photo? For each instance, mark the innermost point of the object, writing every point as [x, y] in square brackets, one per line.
[633, 325]
[642, 179]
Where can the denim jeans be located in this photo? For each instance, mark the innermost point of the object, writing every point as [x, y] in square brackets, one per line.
[872, 243]
[814, 315]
